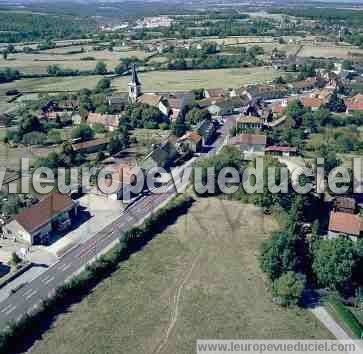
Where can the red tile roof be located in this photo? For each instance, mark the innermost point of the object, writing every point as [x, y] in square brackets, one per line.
[279, 109]
[248, 139]
[150, 99]
[345, 223]
[43, 212]
[357, 98]
[122, 173]
[193, 136]
[354, 106]
[311, 102]
[216, 92]
[108, 120]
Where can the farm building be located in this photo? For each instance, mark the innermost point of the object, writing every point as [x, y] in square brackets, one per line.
[35, 224]
[191, 140]
[250, 145]
[345, 225]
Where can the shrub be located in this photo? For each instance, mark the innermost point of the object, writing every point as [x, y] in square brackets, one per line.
[288, 289]
[99, 128]
[34, 138]
[346, 316]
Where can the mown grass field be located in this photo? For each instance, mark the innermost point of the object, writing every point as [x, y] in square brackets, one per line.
[10, 157]
[51, 84]
[198, 279]
[332, 51]
[38, 63]
[193, 79]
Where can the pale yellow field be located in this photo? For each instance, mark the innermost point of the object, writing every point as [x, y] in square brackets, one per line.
[193, 79]
[46, 85]
[198, 279]
[38, 63]
[324, 51]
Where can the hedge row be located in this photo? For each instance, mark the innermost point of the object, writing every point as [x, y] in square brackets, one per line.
[21, 335]
[347, 317]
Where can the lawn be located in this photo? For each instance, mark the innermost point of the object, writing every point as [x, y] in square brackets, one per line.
[193, 79]
[198, 279]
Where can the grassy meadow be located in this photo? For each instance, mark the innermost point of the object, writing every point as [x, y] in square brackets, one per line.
[198, 279]
[329, 51]
[193, 79]
[37, 63]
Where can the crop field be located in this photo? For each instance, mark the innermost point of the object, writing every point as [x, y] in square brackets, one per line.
[329, 51]
[38, 63]
[290, 49]
[194, 79]
[198, 279]
[10, 157]
[51, 84]
[158, 59]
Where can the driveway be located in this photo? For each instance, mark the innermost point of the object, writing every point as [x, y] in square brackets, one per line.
[100, 212]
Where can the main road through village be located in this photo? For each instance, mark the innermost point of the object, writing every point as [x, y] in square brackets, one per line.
[29, 297]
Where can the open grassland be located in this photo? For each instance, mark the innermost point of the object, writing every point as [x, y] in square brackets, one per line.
[10, 157]
[38, 63]
[51, 84]
[44, 85]
[328, 51]
[193, 79]
[198, 279]
[290, 49]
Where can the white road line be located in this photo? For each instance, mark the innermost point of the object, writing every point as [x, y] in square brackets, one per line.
[66, 267]
[45, 278]
[28, 291]
[49, 280]
[31, 294]
[6, 308]
[11, 309]
[61, 268]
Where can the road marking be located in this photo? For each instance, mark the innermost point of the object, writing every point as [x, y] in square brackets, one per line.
[67, 266]
[31, 294]
[49, 280]
[28, 291]
[45, 278]
[11, 309]
[6, 308]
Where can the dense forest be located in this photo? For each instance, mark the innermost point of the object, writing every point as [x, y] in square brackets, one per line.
[126, 9]
[18, 27]
[330, 15]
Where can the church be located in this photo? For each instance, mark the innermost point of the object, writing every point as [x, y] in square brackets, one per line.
[151, 99]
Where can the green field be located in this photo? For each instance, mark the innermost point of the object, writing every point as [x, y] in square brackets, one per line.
[321, 50]
[198, 279]
[51, 84]
[193, 79]
[38, 63]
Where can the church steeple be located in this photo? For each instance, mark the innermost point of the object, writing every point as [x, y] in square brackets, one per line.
[134, 85]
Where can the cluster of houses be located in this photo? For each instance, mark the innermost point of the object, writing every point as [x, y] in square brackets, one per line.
[255, 145]
[254, 107]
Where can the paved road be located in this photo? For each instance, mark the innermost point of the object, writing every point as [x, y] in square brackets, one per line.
[328, 321]
[32, 294]
[312, 302]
